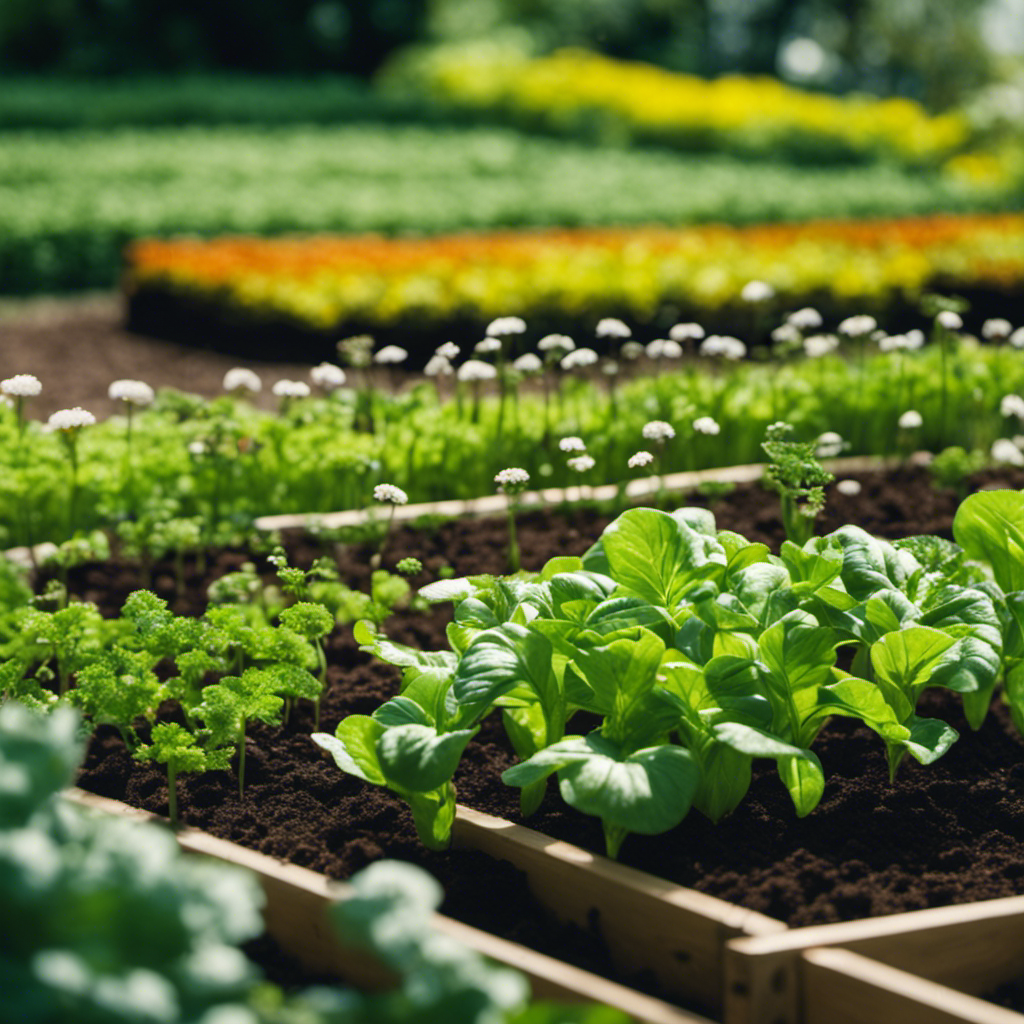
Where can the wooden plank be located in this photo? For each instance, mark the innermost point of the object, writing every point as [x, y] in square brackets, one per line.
[841, 987]
[496, 504]
[296, 916]
[647, 923]
[971, 946]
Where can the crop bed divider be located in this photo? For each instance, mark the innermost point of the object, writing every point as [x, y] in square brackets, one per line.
[295, 916]
[497, 504]
[678, 934]
[970, 947]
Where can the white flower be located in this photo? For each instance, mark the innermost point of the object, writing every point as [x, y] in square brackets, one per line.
[996, 329]
[609, 367]
[610, 327]
[829, 445]
[579, 357]
[134, 392]
[327, 376]
[664, 348]
[686, 332]
[858, 326]
[512, 480]
[851, 488]
[572, 444]
[915, 339]
[438, 366]
[581, 464]
[448, 350]
[910, 420]
[529, 362]
[504, 325]
[818, 345]
[1012, 405]
[21, 385]
[786, 333]
[487, 346]
[390, 355]
[475, 370]
[70, 419]
[640, 459]
[556, 342]
[290, 389]
[723, 345]
[706, 425]
[240, 378]
[950, 320]
[658, 430]
[891, 343]
[631, 350]
[757, 291]
[806, 319]
[390, 493]
[1005, 451]
[197, 448]
[1017, 338]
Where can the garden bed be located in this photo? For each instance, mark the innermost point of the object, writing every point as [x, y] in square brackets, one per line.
[869, 849]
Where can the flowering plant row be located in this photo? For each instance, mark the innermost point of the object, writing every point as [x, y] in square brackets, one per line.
[578, 92]
[177, 472]
[326, 282]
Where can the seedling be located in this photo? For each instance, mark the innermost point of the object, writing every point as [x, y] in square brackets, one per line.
[795, 473]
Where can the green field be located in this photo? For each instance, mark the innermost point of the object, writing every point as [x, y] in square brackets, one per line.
[69, 200]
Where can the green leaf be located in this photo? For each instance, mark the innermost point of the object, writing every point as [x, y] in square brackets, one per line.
[401, 711]
[903, 664]
[870, 564]
[929, 739]
[417, 759]
[378, 644]
[656, 557]
[354, 747]
[514, 662]
[292, 681]
[648, 792]
[989, 526]
[560, 564]
[799, 768]
[725, 779]
[858, 698]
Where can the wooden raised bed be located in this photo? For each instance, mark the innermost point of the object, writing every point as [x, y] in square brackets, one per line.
[969, 948]
[295, 916]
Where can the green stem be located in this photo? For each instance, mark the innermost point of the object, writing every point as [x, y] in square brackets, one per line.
[513, 546]
[241, 762]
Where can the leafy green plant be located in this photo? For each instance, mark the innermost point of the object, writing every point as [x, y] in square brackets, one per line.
[795, 473]
[953, 468]
[176, 747]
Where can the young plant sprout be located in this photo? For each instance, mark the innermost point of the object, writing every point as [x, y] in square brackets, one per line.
[68, 423]
[313, 622]
[475, 371]
[512, 482]
[660, 432]
[174, 746]
[357, 353]
[794, 471]
[409, 566]
[134, 394]
[229, 705]
[388, 494]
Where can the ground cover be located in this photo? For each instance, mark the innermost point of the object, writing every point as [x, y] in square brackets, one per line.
[71, 199]
[856, 855]
[424, 289]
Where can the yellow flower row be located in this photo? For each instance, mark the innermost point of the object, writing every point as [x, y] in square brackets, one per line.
[575, 90]
[328, 281]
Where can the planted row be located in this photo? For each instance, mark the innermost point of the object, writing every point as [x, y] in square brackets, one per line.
[178, 473]
[700, 652]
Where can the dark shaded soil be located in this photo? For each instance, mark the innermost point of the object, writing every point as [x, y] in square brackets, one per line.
[949, 833]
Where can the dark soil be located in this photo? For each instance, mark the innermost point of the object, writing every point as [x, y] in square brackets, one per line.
[949, 833]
